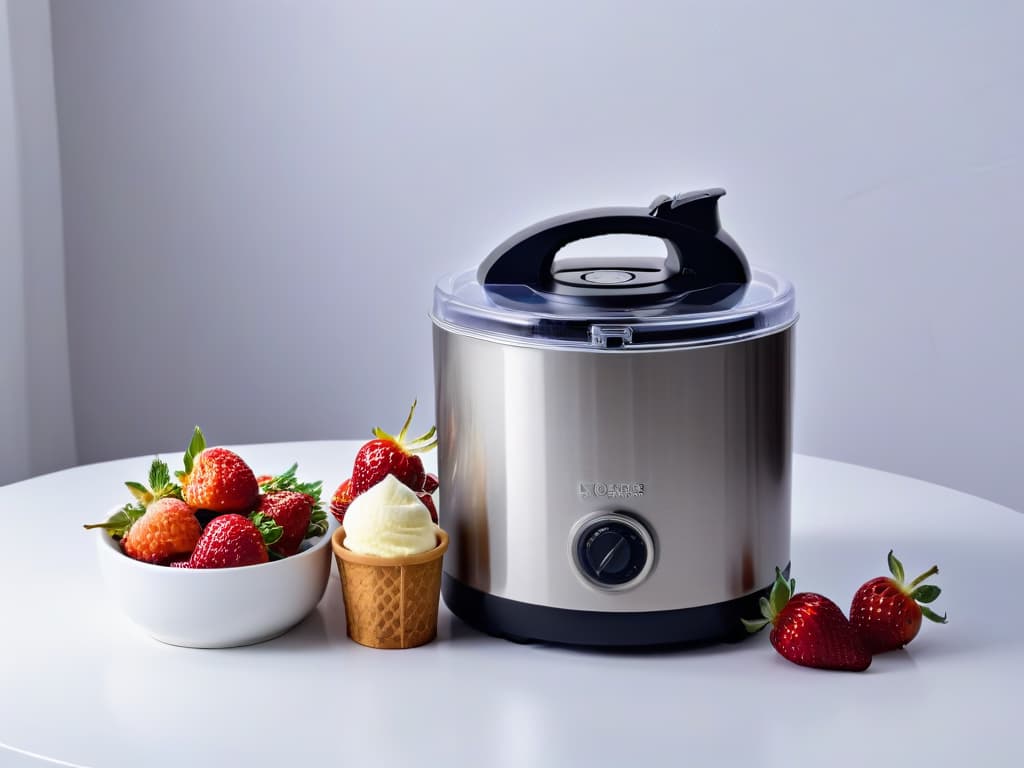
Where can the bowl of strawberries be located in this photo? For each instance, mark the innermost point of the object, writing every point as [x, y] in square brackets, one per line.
[216, 557]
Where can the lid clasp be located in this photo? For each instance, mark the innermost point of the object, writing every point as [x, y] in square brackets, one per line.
[610, 336]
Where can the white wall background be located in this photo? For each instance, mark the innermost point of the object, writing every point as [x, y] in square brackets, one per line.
[36, 433]
[258, 197]
[12, 306]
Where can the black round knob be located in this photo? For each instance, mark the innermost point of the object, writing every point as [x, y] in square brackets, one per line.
[611, 553]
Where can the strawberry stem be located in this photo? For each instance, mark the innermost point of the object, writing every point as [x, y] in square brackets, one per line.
[119, 523]
[405, 427]
[421, 444]
[930, 572]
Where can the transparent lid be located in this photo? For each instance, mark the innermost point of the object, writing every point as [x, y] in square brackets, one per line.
[531, 290]
[713, 315]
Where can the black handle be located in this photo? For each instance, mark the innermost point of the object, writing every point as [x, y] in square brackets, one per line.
[701, 253]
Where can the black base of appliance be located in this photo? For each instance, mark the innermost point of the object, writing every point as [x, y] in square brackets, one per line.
[524, 623]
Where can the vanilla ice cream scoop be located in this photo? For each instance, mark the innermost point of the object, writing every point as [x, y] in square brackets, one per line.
[389, 521]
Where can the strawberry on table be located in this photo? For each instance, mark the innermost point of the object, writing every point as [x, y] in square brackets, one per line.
[216, 479]
[887, 613]
[387, 455]
[809, 629]
[231, 540]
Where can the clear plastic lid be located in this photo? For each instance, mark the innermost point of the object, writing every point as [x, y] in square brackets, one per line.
[532, 290]
[721, 313]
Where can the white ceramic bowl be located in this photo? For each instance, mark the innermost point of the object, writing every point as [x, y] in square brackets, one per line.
[217, 607]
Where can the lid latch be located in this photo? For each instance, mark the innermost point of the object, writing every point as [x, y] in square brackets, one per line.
[610, 336]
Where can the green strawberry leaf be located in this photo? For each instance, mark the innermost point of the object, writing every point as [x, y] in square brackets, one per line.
[287, 481]
[282, 482]
[770, 606]
[159, 475]
[139, 491]
[317, 523]
[422, 448]
[754, 626]
[270, 530]
[926, 593]
[160, 485]
[780, 593]
[272, 535]
[933, 616]
[195, 446]
[895, 567]
[424, 437]
[119, 522]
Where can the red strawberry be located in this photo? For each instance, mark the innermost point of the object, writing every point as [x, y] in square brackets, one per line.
[230, 540]
[886, 612]
[168, 529]
[261, 479]
[341, 500]
[809, 629]
[430, 482]
[292, 511]
[428, 502]
[316, 525]
[165, 530]
[389, 455]
[216, 478]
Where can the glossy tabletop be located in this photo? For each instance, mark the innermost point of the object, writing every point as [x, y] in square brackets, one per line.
[81, 686]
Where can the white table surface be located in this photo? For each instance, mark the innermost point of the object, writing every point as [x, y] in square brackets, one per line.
[80, 685]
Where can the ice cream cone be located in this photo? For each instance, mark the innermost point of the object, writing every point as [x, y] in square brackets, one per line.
[390, 602]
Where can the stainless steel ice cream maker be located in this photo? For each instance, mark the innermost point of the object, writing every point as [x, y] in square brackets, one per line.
[615, 432]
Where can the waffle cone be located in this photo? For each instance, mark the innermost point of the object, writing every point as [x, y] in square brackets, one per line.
[390, 602]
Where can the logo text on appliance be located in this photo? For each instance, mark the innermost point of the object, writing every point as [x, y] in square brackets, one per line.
[611, 490]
